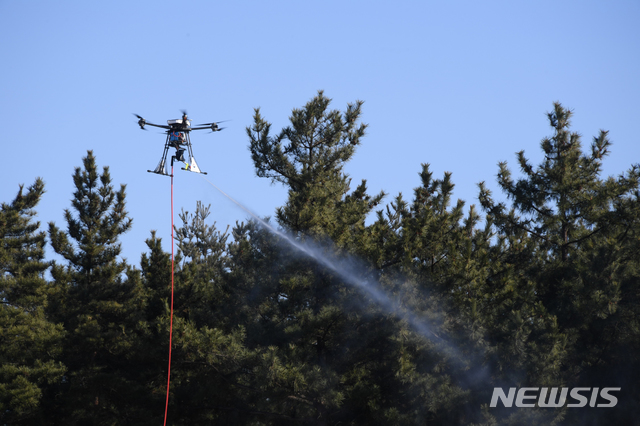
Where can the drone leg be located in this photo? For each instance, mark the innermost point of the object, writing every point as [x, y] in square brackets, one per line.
[192, 166]
[161, 167]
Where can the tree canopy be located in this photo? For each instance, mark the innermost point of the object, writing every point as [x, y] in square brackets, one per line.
[409, 312]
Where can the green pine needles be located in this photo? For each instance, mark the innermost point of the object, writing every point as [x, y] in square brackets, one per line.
[541, 290]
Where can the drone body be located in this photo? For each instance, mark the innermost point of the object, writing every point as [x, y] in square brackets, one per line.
[178, 137]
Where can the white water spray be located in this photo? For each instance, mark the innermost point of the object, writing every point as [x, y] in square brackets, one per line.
[344, 269]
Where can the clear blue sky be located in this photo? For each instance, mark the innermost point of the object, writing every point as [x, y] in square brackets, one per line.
[459, 85]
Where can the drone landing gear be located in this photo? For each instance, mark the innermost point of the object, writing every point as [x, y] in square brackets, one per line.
[161, 168]
[190, 166]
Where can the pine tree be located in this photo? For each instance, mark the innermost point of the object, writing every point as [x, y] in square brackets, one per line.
[96, 303]
[559, 267]
[435, 261]
[30, 344]
[321, 364]
[203, 249]
[209, 360]
[339, 357]
[310, 164]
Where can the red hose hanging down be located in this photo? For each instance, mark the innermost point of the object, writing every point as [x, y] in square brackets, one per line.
[166, 407]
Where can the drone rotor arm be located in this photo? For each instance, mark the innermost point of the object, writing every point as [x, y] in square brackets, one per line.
[158, 125]
[142, 122]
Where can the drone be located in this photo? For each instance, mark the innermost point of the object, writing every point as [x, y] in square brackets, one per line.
[178, 137]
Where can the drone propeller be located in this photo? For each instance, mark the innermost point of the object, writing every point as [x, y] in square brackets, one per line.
[141, 121]
[214, 126]
[215, 122]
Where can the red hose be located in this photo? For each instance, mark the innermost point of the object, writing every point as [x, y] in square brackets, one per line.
[166, 407]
